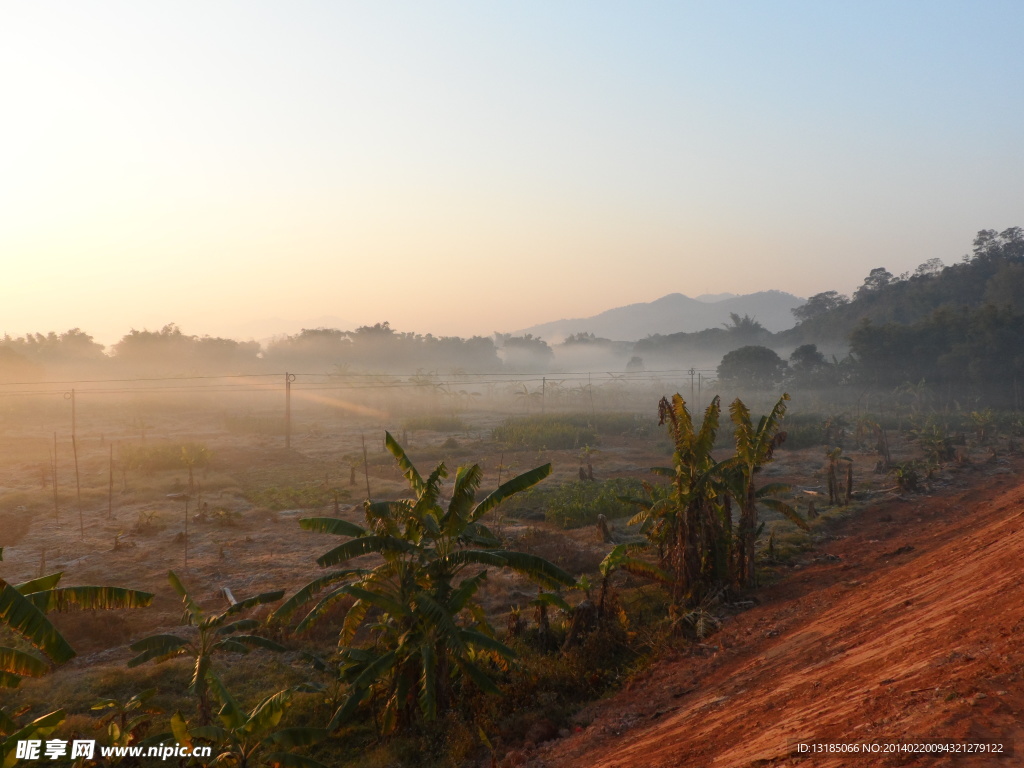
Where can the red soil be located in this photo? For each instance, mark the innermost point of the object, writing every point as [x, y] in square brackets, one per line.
[903, 626]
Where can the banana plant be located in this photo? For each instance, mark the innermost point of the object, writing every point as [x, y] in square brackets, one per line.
[11, 733]
[217, 633]
[23, 609]
[250, 739]
[127, 721]
[655, 516]
[699, 527]
[755, 447]
[427, 632]
[621, 558]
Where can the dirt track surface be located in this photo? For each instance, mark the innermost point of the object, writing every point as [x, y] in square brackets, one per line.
[905, 625]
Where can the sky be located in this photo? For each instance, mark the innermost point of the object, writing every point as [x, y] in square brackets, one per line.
[460, 168]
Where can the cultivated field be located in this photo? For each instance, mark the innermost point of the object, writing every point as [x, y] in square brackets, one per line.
[149, 469]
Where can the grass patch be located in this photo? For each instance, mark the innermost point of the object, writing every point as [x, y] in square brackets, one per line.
[278, 497]
[567, 430]
[543, 432]
[578, 503]
[153, 458]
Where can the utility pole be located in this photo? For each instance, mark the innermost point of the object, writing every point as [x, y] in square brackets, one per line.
[56, 501]
[110, 487]
[74, 451]
[366, 467]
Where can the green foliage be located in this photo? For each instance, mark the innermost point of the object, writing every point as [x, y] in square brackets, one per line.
[544, 432]
[819, 304]
[622, 558]
[128, 721]
[546, 686]
[578, 503]
[984, 423]
[992, 276]
[254, 738]
[934, 442]
[751, 367]
[153, 458]
[23, 609]
[216, 634]
[907, 476]
[278, 497]
[428, 636]
[755, 447]
[805, 430]
[693, 527]
[38, 729]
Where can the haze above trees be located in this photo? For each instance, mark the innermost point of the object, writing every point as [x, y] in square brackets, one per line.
[959, 323]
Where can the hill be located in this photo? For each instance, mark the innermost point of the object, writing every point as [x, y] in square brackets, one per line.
[674, 313]
[993, 275]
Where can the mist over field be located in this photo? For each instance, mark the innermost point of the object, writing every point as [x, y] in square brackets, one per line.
[456, 385]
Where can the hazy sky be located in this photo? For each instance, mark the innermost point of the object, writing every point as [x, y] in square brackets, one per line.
[461, 168]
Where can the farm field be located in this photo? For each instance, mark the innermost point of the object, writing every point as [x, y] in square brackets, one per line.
[246, 493]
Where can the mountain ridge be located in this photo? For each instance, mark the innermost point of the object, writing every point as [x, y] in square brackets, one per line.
[673, 313]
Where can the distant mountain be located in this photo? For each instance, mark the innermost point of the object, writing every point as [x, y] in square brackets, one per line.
[711, 298]
[672, 314]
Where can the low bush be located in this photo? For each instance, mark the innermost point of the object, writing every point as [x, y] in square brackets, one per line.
[153, 458]
[579, 503]
[278, 497]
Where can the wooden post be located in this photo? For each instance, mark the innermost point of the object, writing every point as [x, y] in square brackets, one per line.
[110, 487]
[74, 451]
[53, 469]
[366, 467]
[288, 379]
[78, 487]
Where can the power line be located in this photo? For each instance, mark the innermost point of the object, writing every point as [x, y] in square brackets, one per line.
[335, 382]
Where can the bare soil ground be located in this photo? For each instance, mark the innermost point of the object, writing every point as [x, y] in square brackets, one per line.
[903, 625]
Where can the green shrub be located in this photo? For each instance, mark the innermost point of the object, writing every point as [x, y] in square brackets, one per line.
[278, 497]
[803, 430]
[538, 432]
[153, 458]
[579, 502]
